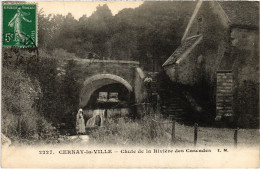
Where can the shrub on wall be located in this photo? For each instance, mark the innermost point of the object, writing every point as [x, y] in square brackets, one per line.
[57, 84]
[62, 54]
[70, 89]
[46, 74]
[60, 89]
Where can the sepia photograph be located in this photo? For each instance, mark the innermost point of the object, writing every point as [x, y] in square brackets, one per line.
[130, 84]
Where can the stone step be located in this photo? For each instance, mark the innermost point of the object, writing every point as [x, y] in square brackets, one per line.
[173, 112]
[172, 108]
[171, 104]
[170, 96]
[170, 99]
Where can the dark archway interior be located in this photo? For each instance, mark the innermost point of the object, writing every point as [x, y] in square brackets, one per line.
[124, 97]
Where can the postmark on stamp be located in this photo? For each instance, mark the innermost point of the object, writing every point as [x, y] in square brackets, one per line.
[19, 25]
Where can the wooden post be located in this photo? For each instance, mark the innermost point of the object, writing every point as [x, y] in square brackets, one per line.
[235, 137]
[173, 130]
[195, 133]
[152, 129]
[173, 127]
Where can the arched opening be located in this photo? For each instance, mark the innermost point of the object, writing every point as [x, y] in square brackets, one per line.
[104, 96]
[112, 83]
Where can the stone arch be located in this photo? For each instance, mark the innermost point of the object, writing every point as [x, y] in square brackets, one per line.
[94, 82]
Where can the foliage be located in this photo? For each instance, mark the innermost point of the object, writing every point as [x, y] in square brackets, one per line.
[125, 132]
[52, 94]
[151, 31]
[128, 132]
[37, 96]
[63, 54]
[19, 115]
[58, 84]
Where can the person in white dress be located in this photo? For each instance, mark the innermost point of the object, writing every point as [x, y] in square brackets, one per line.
[80, 123]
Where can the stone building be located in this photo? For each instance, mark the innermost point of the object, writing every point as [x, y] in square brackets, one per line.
[220, 49]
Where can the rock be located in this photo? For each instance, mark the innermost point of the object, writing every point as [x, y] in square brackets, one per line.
[84, 138]
[73, 137]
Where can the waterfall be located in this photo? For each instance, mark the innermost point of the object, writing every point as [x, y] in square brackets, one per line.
[92, 122]
[98, 115]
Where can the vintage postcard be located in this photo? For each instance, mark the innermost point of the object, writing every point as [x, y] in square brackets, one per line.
[130, 84]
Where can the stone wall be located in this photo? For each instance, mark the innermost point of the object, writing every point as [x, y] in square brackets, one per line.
[189, 70]
[104, 72]
[224, 94]
[90, 75]
[238, 49]
[139, 88]
[69, 77]
[125, 69]
[140, 92]
[245, 44]
[204, 59]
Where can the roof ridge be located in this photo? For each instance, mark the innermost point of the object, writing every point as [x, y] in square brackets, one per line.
[186, 45]
[193, 16]
[191, 37]
[224, 12]
[196, 42]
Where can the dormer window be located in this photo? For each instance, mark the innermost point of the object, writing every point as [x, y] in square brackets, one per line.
[199, 21]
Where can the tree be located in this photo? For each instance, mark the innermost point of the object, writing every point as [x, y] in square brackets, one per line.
[149, 33]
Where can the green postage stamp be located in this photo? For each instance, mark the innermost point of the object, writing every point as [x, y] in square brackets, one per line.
[19, 25]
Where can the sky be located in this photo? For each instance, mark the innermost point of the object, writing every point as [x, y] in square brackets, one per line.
[79, 8]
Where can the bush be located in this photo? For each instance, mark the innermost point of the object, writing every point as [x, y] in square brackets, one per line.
[19, 115]
[62, 54]
[128, 132]
[57, 54]
[36, 95]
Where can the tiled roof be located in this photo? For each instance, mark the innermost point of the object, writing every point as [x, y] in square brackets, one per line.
[241, 13]
[181, 49]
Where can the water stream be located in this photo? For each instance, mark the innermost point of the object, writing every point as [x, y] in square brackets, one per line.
[97, 117]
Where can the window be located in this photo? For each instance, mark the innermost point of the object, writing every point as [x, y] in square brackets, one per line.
[199, 25]
[102, 97]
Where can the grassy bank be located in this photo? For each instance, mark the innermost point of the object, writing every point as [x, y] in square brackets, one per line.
[124, 131]
[156, 131]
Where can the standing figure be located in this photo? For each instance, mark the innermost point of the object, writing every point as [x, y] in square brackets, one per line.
[16, 22]
[80, 123]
